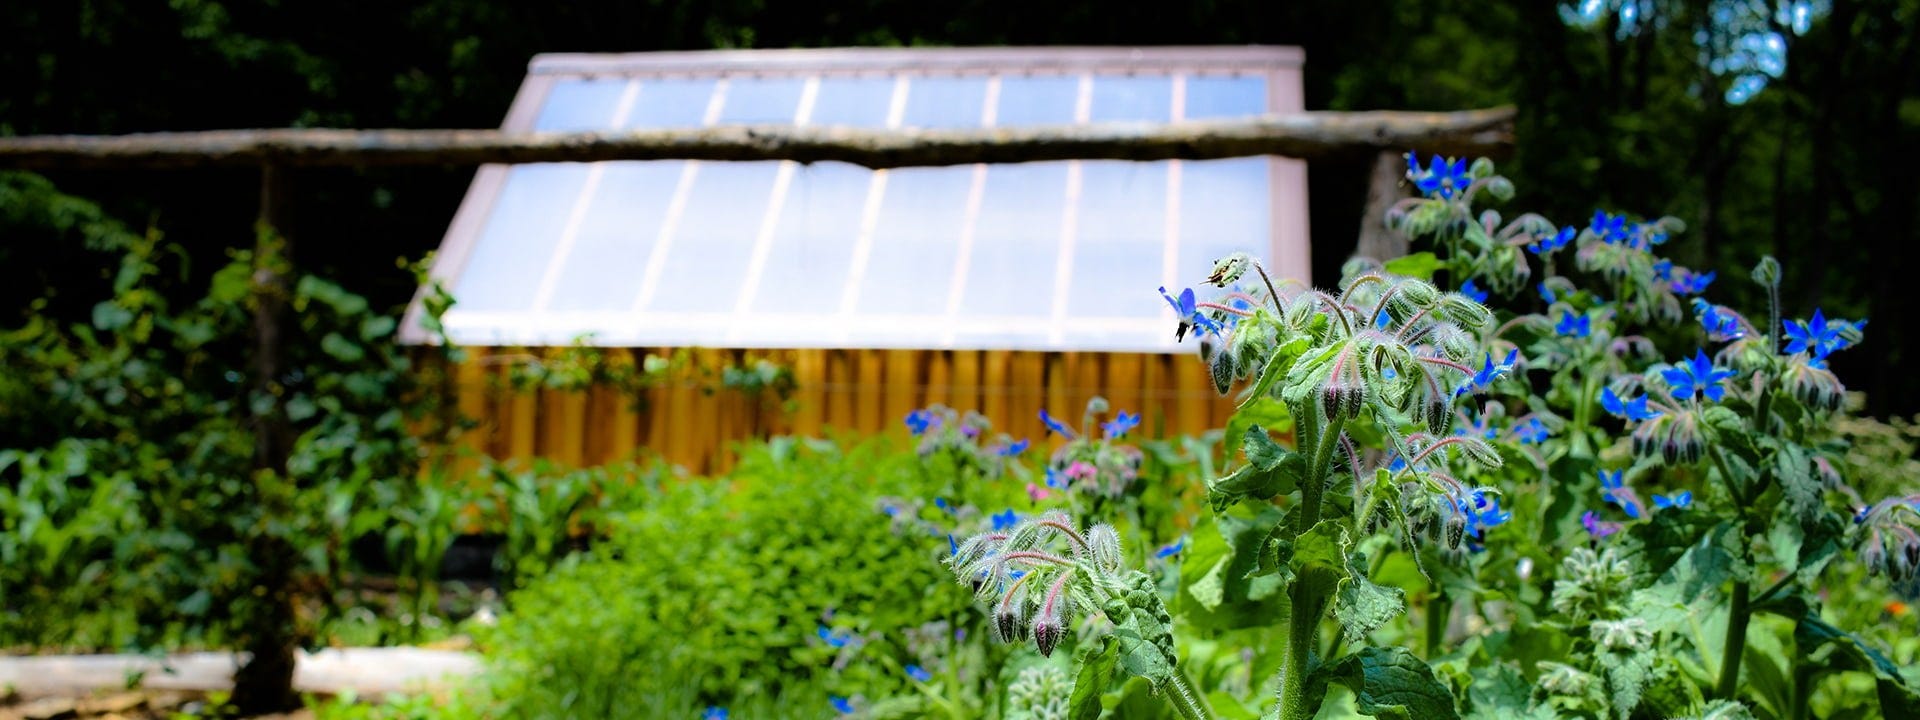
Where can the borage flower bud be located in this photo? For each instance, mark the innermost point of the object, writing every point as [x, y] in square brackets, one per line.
[1223, 369]
[1467, 312]
[1873, 554]
[1813, 384]
[1345, 393]
[1010, 616]
[1227, 270]
[1103, 543]
[1049, 625]
[1418, 293]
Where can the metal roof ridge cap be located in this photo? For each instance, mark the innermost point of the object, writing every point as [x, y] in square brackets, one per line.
[898, 58]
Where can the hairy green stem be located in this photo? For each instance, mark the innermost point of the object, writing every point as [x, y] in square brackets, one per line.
[1309, 601]
[1439, 611]
[1736, 646]
[1191, 705]
[1308, 594]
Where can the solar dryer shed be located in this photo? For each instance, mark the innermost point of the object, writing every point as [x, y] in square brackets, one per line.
[1003, 288]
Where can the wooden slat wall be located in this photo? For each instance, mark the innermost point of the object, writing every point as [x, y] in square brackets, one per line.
[864, 391]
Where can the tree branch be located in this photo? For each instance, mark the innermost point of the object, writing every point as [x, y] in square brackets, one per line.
[1309, 136]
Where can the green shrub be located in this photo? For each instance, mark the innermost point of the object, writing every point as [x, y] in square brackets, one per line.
[718, 592]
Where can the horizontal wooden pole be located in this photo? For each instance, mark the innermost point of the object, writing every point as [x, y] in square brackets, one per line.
[1309, 136]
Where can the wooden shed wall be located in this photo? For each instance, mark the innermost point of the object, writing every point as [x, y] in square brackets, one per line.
[865, 391]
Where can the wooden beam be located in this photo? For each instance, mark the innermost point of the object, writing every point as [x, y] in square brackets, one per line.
[1310, 136]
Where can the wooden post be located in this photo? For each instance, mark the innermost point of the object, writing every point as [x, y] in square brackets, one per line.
[1384, 188]
[265, 683]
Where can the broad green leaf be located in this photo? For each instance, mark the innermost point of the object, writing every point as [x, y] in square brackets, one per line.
[1267, 412]
[1419, 265]
[1387, 682]
[1499, 691]
[1096, 673]
[1279, 364]
[1216, 590]
[1261, 450]
[1627, 675]
[1361, 606]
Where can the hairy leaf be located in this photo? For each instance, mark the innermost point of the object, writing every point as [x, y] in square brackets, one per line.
[1387, 682]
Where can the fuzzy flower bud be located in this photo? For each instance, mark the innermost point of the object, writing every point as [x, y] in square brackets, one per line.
[1049, 625]
[1564, 680]
[1418, 293]
[1815, 385]
[1630, 634]
[1103, 543]
[1227, 270]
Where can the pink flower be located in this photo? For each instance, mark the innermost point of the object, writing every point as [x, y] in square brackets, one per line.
[1081, 470]
[1037, 493]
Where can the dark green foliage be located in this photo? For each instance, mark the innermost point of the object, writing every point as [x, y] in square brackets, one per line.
[127, 481]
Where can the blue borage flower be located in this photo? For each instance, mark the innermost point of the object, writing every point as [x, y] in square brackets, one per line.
[1613, 489]
[918, 673]
[1721, 323]
[1546, 294]
[1691, 283]
[714, 712]
[1472, 291]
[942, 503]
[1171, 549]
[1549, 243]
[1005, 520]
[1489, 372]
[1191, 315]
[1635, 409]
[1610, 228]
[1441, 178]
[1596, 527]
[1682, 500]
[919, 421]
[1663, 269]
[1819, 336]
[1121, 423]
[841, 705]
[836, 638]
[1532, 432]
[1013, 448]
[1689, 378]
[1057, 426]
[1056, 479]
[1483, 513]
[1574, 325]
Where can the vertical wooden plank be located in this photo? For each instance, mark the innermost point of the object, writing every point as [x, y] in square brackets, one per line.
[562, 423]
[966, 381]
[1193, 401]
[1156, 416]
[1125, 373]
[522, 432]
[868, 391]
[939, 379]
[703, 443]
[1086, 376]
[470, 397]
[841, 380]
[1027, 392]
[678, 419]
[1058, 395]
[903, 383]
[810, 374]
[658, 421]
[623, 421]
[996, 391]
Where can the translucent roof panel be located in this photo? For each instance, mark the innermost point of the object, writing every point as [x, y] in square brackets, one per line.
[1050, 255]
